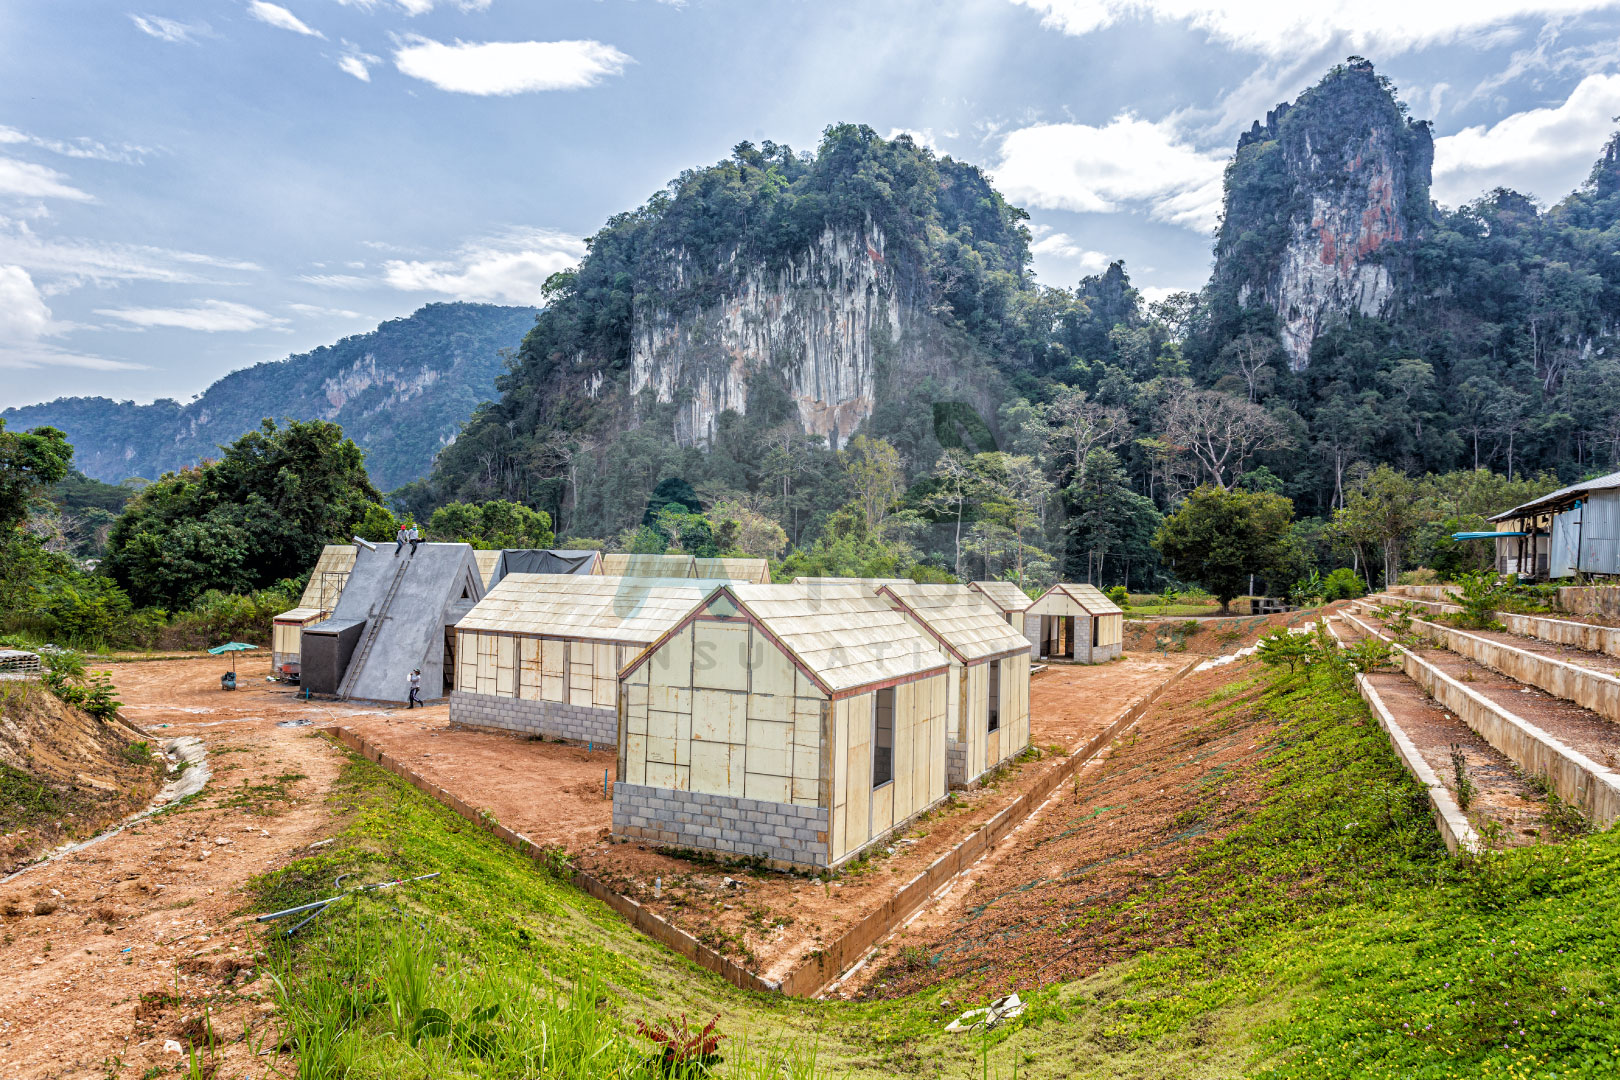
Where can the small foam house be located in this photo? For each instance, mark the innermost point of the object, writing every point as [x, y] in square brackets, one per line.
[1008, 598]
[987, 710]
[541, 653]
[754, 571]
[784, 723]
[1074, 624]
[649, 566]
[320, 596]
[397, 613]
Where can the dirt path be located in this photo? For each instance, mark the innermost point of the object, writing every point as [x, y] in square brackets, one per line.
[112, 953]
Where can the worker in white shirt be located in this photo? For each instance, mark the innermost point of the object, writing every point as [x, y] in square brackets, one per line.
[416, 688]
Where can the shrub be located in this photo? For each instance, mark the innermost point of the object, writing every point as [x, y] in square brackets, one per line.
[1343, 584]
[1421, 576]
[1120, 596]
[1481, 595]
[1369, 654]
[1281, 647]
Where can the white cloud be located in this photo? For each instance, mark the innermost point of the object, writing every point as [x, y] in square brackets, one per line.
[77, 148]
[210, 316]
[27, 180]
[415, 7]
[1129, 163]
[315, 310]
[25, 320]
[171, 30]
[337, 281]
[1063, 246]
[508, 67]
[920, 136]
[1279, 28]
[505, 269]
[1152, 294]
[1545, 152]
[279, 17]
[357, 62]
[73, 262]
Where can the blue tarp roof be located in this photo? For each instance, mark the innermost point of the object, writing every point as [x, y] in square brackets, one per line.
[1484, 536]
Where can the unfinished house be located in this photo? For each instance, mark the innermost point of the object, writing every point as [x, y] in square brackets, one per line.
[1074, 624]
[1008, 598]
[320, 596]
[648, 566]
[541, 653]
[753, 571]
[781, 723]
[398, 612]
[987, 708]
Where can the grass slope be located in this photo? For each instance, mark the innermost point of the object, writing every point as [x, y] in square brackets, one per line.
[1324, 934]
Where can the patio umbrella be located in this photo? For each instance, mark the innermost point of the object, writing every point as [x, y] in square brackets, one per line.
[231, 647]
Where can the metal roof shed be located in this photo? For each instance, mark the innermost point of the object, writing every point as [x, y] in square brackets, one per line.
[780, 722]
[1574, 530]
[987, 708]
[541, 653]
[1074, 624]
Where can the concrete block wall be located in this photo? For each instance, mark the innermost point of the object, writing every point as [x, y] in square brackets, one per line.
[955, 764]
[552, 719]
[1590, 599]
[784, 835]
[1032, 634]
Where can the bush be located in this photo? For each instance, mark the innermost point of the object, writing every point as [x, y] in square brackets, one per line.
[1343, 584]
[1421, 576]
[1119, 596]
[1481, 595]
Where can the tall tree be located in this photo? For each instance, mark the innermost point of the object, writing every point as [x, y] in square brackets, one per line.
[1220, 432]
[29, 463]
[1388, 507]
[1219, 538]
[874, 471]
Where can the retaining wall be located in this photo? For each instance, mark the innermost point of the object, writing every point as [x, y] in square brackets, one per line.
[552, 719]
[1580, 635]
[1577, 778]
[1585, 687]
[1590, 600]
[786, 836]
[1425, 592]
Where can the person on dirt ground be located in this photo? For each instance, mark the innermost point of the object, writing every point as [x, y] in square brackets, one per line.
[399, 540]
[416, 689]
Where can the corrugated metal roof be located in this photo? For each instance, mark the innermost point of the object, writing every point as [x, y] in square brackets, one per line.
[1004, 594]
[593, 607]
[757, 571]
[1089, 597]
[487, 562]
[970, 625]
[1564, 494]
[647, 566]
[848, 639]
[335, 559]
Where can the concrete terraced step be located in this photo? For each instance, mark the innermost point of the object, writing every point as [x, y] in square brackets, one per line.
[1586, 636]
[1591, 680]
[1423, 734]
[1573, 749]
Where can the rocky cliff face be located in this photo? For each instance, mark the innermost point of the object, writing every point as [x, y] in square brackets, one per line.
[1323, 205]
[816, 323]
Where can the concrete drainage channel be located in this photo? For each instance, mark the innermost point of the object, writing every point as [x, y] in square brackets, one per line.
[188, 765]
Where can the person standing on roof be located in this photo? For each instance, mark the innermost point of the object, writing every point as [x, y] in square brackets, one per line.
[416, 689]
[399, 540]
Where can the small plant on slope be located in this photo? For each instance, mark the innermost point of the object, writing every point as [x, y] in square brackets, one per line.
[1465, 782]
[683, 1052]
[1369, 654]
[1480, 597]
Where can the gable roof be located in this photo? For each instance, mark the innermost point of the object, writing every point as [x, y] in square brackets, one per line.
[1553, 500]
[1089, 597]
[487, 562]
[842, 642]
[595, 607]
[322, 592]
[969, 626]
[757, 571]
[1004, 594]
[647, 566]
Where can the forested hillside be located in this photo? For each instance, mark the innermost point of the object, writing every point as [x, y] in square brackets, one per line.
[744, 326]
[401, 392]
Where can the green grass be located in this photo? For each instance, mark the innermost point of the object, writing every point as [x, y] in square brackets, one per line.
[1325, 934]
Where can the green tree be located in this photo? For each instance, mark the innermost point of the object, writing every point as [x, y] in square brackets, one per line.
[874, 471]
[498, 523]
[29, 463]
[1386, 506]
[1218, 538]
[257, 515]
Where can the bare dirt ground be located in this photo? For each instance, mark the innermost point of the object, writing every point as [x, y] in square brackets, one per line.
[552, 793]
[1207, 637]
[110, 954]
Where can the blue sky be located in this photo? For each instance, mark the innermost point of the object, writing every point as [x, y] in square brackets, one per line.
[192, 186]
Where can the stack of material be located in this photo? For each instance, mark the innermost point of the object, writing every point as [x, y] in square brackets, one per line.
[541, 653]
[792, 723]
